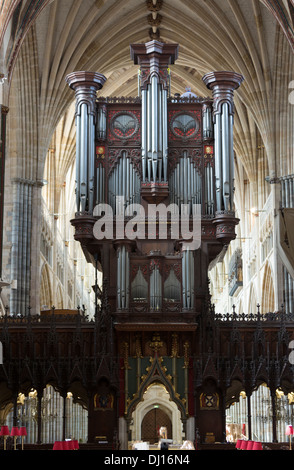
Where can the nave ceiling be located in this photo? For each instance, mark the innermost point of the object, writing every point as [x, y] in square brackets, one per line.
[43, 41]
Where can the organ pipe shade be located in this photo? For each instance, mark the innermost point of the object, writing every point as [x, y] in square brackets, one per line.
[172, 288]
[139, 288]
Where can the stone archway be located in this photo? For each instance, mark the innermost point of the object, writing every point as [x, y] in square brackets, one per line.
[156, 396]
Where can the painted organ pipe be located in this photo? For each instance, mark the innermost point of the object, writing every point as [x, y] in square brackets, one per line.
[123, 275]
[85, 85]
[223, 85]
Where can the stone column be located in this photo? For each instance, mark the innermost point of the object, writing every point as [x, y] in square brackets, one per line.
[85, 85]
[21, 246]
[3, 115]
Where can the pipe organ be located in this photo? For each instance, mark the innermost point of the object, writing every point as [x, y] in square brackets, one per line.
[147, 151]
[149, 171]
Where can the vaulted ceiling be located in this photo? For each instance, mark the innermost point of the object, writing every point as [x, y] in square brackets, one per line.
[42, 41]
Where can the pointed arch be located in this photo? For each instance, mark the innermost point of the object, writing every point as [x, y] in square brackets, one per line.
[156, 375]
[59, 299]
[45, 289]
[252, 302]
[268, 293]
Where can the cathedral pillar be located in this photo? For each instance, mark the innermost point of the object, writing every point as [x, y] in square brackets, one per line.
[3, 115]
[24, 249]
[85, 85]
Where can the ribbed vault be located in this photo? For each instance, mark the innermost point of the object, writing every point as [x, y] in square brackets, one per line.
[46, 40]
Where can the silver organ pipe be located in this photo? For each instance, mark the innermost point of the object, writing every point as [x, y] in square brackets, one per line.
[100, 184]
[124, 181]
[84, 157]
[123, 270]
[155, 289]
[209, 195]
[287, 191]
[78, 160]
[185, 184]
[207, 123]
[144, 133]
[188, 279]
[91, 163]
[149, 133]
[223, 85]
[85, 85]
[101, 122]
[154, 132]
[164, 134]
[226, 155]
[232, 165]
[154, 113]
[218, 162]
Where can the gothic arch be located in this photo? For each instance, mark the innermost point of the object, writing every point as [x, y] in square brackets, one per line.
[45, 289]
[268, 294]
[59, 298]
[252, 302]
[156, 375]
[157, 394]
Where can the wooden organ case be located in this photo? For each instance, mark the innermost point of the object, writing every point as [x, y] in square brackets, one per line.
[146, 166]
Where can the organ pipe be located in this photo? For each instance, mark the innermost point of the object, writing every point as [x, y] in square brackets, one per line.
[154, 59]
[124, 181]
[207, 123]
[85, 85]
[101, 122]
[154, 132]
[287, 191]
[188, 279]
[186, 184]
[155, 289]
[223, 85]
[123, 270]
